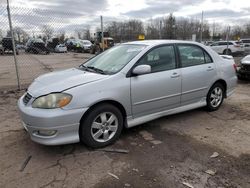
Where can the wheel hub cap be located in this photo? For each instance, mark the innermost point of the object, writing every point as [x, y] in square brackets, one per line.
[104, 127]
[216, 97]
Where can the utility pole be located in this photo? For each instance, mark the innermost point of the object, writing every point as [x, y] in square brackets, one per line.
[13, 45]
[213, 31]
[201, 30]
[102, 34]
[227, 37]
[160, 30]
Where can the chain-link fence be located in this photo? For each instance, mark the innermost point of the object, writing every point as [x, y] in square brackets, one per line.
[45, 40]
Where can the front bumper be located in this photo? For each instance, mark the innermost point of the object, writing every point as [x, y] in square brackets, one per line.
[62, 124]
[243, 73]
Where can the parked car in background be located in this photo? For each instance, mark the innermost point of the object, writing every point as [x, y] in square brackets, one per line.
[243, 70]
[61, 48]
[52, 43]
[20, 47]
[246, 43]
[230, 47]
[7, 45]
[86, 45]
[78, 45]
[1, 49]
[70, 44]
[36, 46]
[125, 86]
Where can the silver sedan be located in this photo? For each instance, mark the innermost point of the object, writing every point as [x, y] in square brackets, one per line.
[125, 86]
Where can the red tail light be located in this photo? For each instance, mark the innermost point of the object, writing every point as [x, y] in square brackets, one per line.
[237, 45]
[235, 67]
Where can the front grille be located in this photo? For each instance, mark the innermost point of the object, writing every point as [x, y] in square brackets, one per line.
[246, 67]
[26, 98]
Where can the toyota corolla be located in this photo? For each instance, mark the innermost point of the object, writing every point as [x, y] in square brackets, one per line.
[125, 86]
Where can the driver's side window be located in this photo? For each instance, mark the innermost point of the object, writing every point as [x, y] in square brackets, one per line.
[160, 59]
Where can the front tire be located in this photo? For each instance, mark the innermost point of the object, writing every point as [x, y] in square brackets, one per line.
[227, 52]
[215, 97]
[101, 126]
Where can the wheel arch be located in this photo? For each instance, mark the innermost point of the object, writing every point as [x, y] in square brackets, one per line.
[112, 102]
[224, 83]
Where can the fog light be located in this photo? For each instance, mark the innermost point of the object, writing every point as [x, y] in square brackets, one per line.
[46, 132]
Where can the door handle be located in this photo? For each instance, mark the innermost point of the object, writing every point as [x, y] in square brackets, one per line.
[175, 75]
[210, 68]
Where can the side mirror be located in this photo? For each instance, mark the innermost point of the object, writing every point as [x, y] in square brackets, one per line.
[142, 69]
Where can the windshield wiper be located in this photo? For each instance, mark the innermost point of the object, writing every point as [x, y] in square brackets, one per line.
[84, 67]
[92, 69]
[96, 69]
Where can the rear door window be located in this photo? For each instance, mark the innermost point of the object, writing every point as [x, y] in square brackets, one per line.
[192, 55]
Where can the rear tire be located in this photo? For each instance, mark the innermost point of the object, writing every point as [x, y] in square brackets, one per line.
[101, 126]
[227, 52]
[240, 77]
[215, 97]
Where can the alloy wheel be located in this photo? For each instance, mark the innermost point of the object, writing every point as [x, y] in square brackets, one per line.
[104, 127]
[216, 97]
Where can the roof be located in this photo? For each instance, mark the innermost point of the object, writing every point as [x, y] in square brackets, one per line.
[157, 42]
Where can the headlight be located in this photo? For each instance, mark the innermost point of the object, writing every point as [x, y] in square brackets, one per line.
[53, 100]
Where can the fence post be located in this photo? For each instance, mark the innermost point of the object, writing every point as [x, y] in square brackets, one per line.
[102, 34]
[13, 45]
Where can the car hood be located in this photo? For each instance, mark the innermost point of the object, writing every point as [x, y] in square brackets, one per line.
[246, 60]
[87, 45]
[62, 80]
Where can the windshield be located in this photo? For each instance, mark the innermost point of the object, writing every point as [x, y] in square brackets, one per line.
[114, 59]
[38, 40]
[86, 43]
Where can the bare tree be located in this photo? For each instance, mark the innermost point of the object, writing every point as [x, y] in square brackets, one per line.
[61, 37]
[169, 27]
[20, 35]
[79, 33]
[47, 31]
[247, 31]
[153, 29]
[86, 34]
[125, 31]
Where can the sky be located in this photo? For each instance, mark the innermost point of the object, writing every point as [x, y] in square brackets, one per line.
[77, 13]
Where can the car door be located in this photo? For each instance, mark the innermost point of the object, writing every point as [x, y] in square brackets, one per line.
[159, 90]
[215, 46]
[198, 72]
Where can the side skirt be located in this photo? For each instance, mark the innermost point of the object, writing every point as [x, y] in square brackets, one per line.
[140, 120]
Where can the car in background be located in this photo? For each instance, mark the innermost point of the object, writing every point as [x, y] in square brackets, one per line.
[228, 48]
[36, 46]
[243, 70]
[52, 43]
[246, 43]
[61, 48]
[7, 45]
[20, 47]
[1, 49]
[78, 45]
[70, 44]
[86, 45]
[122, 87]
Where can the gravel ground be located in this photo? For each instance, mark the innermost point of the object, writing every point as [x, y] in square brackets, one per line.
[32, 65]
[169, 152]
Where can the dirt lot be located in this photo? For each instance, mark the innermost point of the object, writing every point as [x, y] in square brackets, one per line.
[168, 152]
[31, 65]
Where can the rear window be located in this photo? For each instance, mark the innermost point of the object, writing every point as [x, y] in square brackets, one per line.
[225, 43]
[245, 40]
